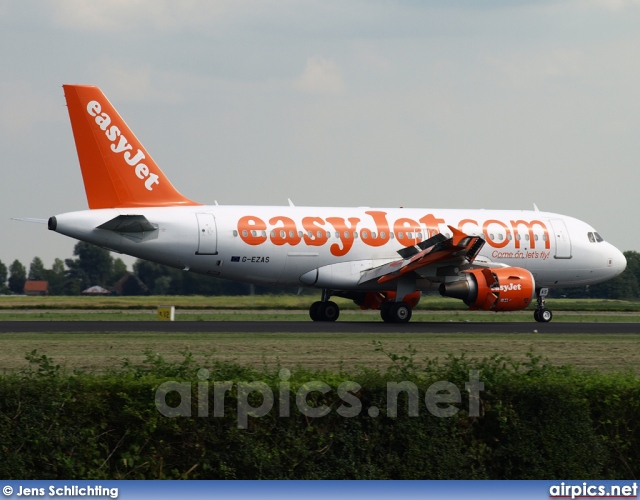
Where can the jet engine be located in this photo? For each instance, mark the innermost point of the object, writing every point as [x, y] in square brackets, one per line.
[502, 289]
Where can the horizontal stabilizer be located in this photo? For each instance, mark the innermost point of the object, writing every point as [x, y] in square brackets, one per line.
[129, 224]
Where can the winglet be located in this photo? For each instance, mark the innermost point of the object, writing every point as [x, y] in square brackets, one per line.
[117, 170]
[458, 235]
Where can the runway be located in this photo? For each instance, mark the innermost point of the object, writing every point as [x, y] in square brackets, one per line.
[315, 327]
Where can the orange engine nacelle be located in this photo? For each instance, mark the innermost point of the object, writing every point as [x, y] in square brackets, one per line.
[502, 289]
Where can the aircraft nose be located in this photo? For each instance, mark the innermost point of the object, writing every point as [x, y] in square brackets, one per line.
[618, 261]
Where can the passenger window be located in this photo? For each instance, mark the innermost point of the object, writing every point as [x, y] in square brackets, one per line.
[535, 237]
[373, 235]
[526, 237]
[365, 235]
[235, 233]
[400, 235]
[244, 233]
[346, 235]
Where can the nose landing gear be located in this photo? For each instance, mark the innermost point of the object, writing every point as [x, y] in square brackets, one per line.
[542, 314]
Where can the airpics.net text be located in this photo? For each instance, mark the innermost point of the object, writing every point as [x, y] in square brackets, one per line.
[440, 398]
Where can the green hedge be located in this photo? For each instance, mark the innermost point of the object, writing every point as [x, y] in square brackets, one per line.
[536, 421]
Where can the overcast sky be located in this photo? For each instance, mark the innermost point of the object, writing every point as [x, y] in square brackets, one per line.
[435, 104]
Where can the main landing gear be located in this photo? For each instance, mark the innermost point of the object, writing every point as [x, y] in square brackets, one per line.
[542, 314]
[390, 311]
[325, 309]
[395, 312]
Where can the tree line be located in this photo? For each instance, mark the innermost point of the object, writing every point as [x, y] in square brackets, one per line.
[626, 286]
[93, 265]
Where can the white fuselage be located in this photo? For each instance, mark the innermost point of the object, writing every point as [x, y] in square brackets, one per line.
[330, 247]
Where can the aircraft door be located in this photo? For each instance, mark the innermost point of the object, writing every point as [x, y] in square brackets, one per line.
[207, 235]
[563, 242]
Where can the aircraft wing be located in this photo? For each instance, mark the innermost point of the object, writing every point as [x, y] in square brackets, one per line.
[437, 251]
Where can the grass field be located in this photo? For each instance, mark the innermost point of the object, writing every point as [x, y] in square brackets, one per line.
[286, 308]
[331, 351]
[269, 302]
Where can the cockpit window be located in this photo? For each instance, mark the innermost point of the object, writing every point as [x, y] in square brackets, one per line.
[592, 238]
[595, 237]
[598, 237]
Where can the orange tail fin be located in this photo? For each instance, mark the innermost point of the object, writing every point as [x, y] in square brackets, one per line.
[116, 169]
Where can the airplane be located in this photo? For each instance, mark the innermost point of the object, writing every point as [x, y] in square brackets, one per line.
[381, 258]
